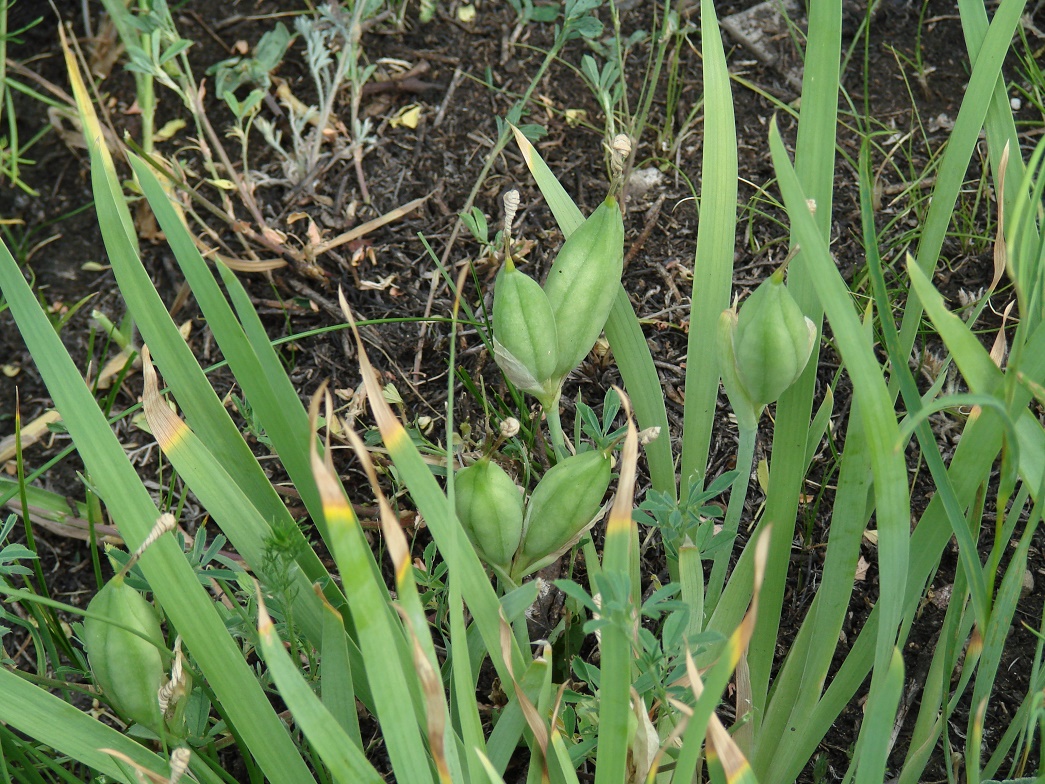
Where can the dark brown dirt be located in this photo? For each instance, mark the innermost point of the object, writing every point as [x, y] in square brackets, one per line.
[441, 159]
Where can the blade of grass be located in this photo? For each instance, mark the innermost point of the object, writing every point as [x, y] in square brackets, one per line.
[198, 399]
[336, 673]
[717, 677]
[1005, 608]
[971, 463]
[872, 749]
[1001, 127]
[382, 639]
[616, 642]
[415, 622]
[171, 577]
[258, 371]
[798, 686]
[511, 725]
[228, 505]
[442, 521]
[463, 704]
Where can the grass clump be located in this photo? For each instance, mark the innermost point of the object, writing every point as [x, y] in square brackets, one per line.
[278, 664]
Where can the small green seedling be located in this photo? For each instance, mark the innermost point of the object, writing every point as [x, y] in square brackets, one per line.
[230, 75]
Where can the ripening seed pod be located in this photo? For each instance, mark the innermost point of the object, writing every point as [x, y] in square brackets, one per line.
[747, 413]
[128, 669]
[561, 506]
[524, 336]
[583, 283]
[772, 342]
[490, 508]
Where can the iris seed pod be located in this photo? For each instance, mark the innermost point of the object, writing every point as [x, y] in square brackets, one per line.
[524, 336]
[128, 669]
[583, 283]
[490, 508]
[561, 506]
[772, 341]
[746, 411]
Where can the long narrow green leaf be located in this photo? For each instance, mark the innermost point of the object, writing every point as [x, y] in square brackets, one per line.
[71, 732]
[617, 636]
[184, 600]
[960, 145]
[872, 751]
[511, 725]
[1000, 624]
[446, 529]
[442, 744]
[463, 705]
[336, 672]
[972, 460]
[798, 686]
[187, 605]
[709, 693]
[929, 724]
[559, 761]
[1000, 124]
[713, 263]
[382, 639]
[229, 506]
[879, 421]
[279, 410]
[335, 746]
[815, 170]
[200, 404]
[195, 395]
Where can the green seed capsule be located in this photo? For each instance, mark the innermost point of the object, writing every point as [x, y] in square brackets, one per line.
[772, 341]
[490, 508]
[583, 283]
[127, 669]
[746, 411]
[524, 336]
[563, 503]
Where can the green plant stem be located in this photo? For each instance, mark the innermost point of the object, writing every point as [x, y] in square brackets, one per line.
[555, 427]
[730, 526]
[4, 98]
[145, 87]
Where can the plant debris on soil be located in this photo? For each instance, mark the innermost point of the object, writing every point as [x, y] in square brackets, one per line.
[433, 107]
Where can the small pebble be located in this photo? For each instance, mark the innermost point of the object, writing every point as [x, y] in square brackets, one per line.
[1015, 103]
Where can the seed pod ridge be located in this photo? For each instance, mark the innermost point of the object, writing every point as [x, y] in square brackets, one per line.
[524, 334]
[772, 342]
[490, 508]
[584, 281]
[564, 502]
